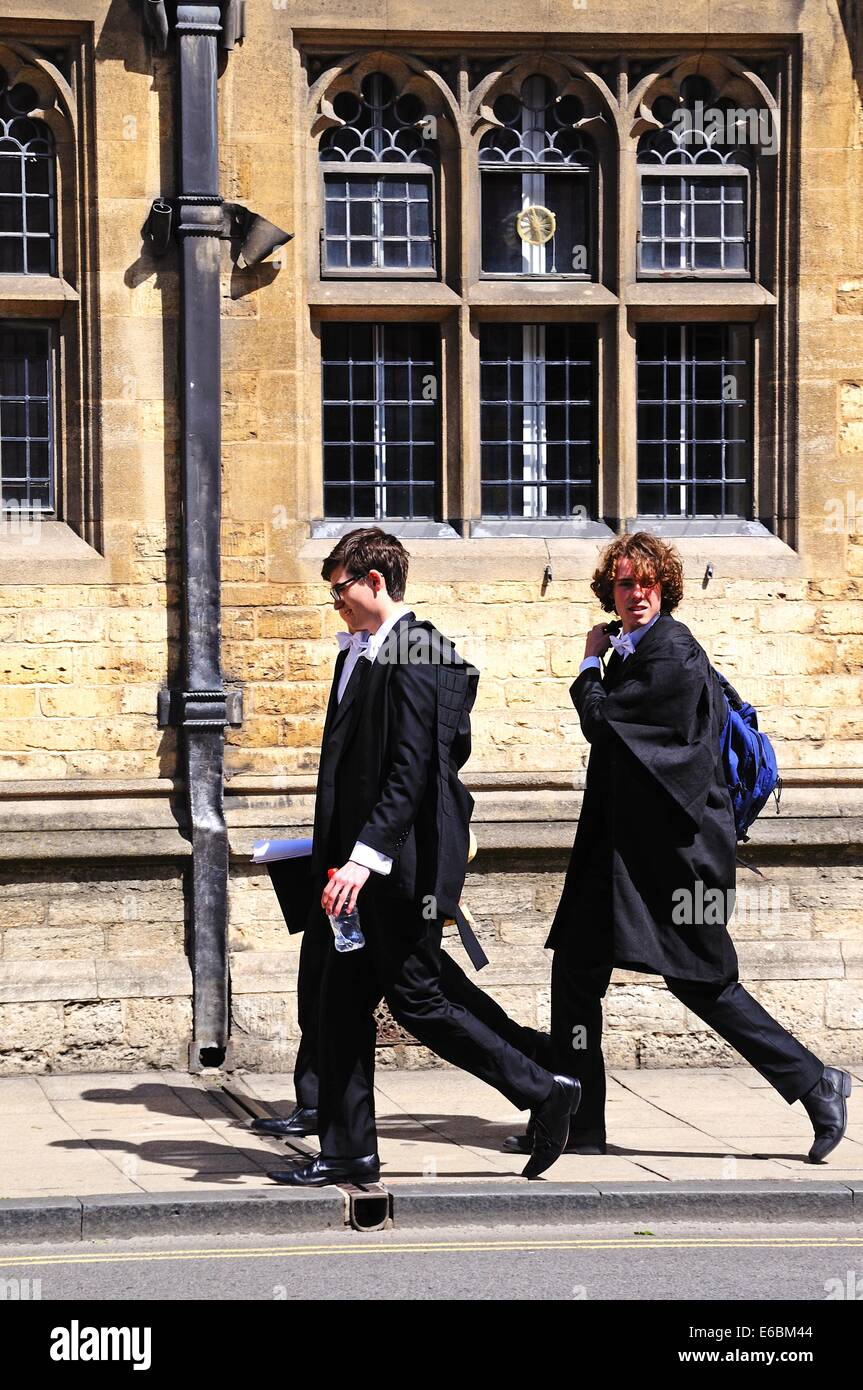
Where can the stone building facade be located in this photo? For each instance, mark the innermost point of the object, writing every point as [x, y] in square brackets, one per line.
[517, 316]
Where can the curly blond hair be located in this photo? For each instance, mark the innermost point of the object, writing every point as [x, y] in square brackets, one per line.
[653, 562]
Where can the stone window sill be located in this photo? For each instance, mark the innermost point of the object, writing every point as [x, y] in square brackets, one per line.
[35, 296]
[524, 557]
[46, 552]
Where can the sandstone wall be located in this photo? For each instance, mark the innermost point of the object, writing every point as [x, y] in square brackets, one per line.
[93, 893]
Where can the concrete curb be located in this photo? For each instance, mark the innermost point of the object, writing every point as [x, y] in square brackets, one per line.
[428, 1204]
[170, 1213]
[423, 1204]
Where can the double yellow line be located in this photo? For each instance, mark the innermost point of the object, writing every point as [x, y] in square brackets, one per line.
[431, 1247]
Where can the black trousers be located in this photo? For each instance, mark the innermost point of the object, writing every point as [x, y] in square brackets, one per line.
[576, 1032]
[454, 983]
[402, 963]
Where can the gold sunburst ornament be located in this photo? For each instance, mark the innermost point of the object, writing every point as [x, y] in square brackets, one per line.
[536, 225]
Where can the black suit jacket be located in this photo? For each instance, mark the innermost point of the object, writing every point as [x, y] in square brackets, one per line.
[390, 758]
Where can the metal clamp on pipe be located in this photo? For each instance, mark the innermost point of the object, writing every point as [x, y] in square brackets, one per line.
[159, 225]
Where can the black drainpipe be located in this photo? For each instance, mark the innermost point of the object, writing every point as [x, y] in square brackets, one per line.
[202, 708]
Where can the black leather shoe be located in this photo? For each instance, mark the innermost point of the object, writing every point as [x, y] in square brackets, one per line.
[827, 1109]
[322, 1171]
[550, 1125]
[580, 1141]
[301, 1121]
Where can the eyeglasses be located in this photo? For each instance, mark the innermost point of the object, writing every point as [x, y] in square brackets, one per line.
[643, 584]
[336, 589]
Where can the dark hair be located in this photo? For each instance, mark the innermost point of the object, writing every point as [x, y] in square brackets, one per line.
[370, 548]
[653, 562]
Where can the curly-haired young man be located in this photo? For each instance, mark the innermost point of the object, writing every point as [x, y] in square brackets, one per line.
[656, 831]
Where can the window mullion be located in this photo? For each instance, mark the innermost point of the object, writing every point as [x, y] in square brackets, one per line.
[684, 407]
[378, 225]
[533, 183]
[534, 502]
[380, 425]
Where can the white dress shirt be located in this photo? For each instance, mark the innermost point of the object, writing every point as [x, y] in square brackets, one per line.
[355, 643]
[624, 645]
[367, 645]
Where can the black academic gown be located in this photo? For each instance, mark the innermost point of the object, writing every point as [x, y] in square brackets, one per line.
[656, 837]
[359, 754]
[423, 823]
[376, 786]
[389, 779]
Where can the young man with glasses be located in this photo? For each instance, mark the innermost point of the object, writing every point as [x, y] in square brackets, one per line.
[393, 816]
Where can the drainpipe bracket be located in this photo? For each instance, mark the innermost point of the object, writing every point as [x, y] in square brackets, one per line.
[199, 708]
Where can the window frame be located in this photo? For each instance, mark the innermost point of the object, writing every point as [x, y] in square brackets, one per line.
[51, 236]
[591, 485]
[377, 327]
[52, 358]
[614, 293]
[716, 172]
[58, 59]
[589, 174]
[378, 169]
[688, 404]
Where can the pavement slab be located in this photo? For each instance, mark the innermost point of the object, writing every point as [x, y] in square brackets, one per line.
[151, 1133]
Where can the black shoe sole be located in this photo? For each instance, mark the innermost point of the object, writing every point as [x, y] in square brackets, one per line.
[284, 1133]
[283, 1179]
[294, 1131]
[523, 1147]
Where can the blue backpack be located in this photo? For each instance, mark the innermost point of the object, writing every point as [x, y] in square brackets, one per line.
[748, 760]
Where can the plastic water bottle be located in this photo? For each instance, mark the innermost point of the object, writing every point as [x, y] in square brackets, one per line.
[346, 927]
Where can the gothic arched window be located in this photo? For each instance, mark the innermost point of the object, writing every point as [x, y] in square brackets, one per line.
[27, 211]
[536, 171]
[379, 171]
[696, 176]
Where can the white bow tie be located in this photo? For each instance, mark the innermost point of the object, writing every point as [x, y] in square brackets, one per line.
[624, 646]
[355, 640]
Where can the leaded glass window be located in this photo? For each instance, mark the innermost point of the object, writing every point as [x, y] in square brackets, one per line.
[380, 420]
[538, 419]
[27, 200]
[536, 171]
[694, 420]
[25, 416]
[695, 187]
[379, 171]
